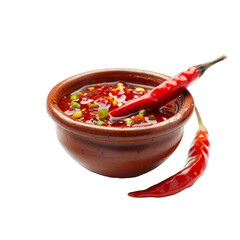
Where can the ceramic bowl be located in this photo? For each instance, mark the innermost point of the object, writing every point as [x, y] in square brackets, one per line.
[112, 151]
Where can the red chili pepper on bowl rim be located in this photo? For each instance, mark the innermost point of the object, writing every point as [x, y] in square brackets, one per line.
[166, 91]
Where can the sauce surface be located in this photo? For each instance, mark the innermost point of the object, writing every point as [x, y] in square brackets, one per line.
[92, 103]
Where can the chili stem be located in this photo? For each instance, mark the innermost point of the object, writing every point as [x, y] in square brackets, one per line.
[201, 126]
[203, 67]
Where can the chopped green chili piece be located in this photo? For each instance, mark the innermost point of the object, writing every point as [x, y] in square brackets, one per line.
[74, 97]
[93, 105]
[75, 105]
[151, 117]
[142, 112]
[100, 123]
[103, 113]
[130, 123]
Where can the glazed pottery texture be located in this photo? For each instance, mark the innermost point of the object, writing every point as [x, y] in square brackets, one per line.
[113, 151]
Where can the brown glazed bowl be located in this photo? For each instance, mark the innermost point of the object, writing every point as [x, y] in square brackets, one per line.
[113, 151]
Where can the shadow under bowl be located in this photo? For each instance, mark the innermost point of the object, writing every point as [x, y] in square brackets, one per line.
[114, 151]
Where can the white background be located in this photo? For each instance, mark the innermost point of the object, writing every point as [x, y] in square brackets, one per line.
[44, 194]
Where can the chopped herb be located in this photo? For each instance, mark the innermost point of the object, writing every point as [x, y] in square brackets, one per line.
[103, 114]
[93, 105]
[142, 112]
[130, 123]
[100, 123]
[75, 105]
[151, 117]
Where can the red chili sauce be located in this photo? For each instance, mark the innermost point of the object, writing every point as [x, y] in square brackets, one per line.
[92, 103]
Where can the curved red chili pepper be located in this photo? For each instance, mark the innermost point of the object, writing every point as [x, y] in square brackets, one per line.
[193, 169]
[165, 92]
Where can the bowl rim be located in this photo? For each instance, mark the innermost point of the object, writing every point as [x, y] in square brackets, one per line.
[169, 125]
